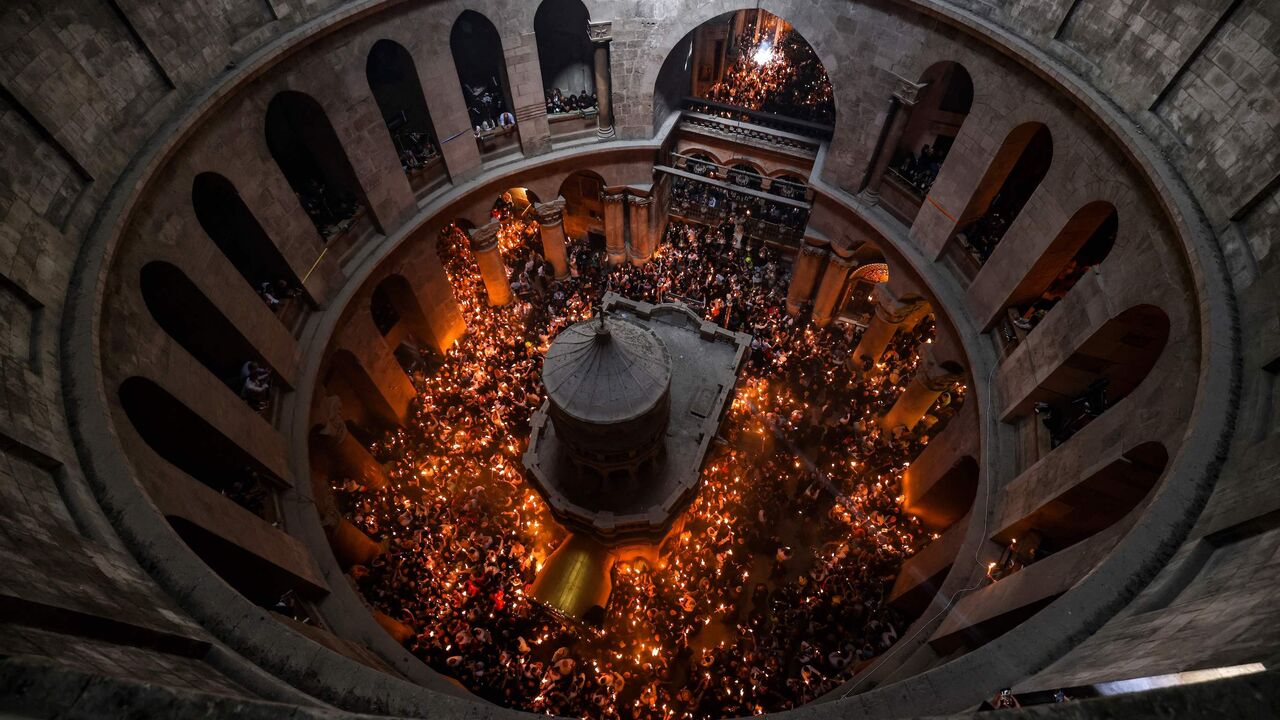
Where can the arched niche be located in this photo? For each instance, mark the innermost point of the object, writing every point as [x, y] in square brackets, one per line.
[942, 105]
[393, 80]
[1103, 370]
[565, 53]
[188, 442]
[231, 226]
[183, 311]
[1011, 178]
[308, 151]
[1084, 242]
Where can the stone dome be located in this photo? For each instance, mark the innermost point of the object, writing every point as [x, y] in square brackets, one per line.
[606, 371]
[608, 381]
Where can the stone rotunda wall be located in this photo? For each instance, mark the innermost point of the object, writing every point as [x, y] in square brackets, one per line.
[112, 110]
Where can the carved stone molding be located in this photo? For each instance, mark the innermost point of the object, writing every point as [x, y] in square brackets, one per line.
[600, 33]
[484, 238]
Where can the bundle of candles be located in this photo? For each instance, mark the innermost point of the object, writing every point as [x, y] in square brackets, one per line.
[773, 591]
[775, 70]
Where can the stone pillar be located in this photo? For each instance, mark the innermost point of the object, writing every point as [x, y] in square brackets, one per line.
[641, 248]
[601, 34]
[930, 380]
[351, 546]
[615, 232]
[804, 275]
[900, 105]
[551, 227]
[401, 632]
[833, 280]
[890, 314]
[484, 246]
[348, 458]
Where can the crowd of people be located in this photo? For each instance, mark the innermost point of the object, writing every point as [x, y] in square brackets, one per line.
[920, 172]
[417, 150]
[331, 209]
[776, 72]
[558, 102]
[775, 588]
[488, 109]
[708, 202]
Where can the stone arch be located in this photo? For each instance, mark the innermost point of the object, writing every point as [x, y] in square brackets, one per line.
[1102, 370]
[584, 209]
[670, 80]
[482, 68]
[363, 403]
[942, 103]
[307, 150]
[232, 226]
[185, 314]
[565, 53]
[746, 173]
[1083, 242]
[188, 442]
[398, 304]
[1011, 177]
[1088, 506]
[393, 81]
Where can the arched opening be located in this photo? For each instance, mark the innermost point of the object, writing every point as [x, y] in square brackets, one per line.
[583, 209]
[946, 499]
[755, 60]
[393, 80]
[399, 319]
[263, 583]
[191, 444]
[1083, 243]
[366, 409]
[566, 57]
[482, 73]
[857, 303]
[1101, 372]
[1073, 513]
[1009, 182]
[309, 153]
[789, 186]
[184, 312]
[746, 175]
[931, 127]
[233, 228]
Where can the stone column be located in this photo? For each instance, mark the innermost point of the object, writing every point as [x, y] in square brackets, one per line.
[833, 279]
[484, 246]
[930, 380]
[804, 275]
[615, 231]
[890, 314]
[551, 227]
[351, 546]
[601, 34]
[900, 105]
[349, 458]
[641, 249]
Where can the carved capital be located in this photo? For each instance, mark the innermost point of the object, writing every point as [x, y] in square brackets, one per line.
[813, 252]
[550, 213]
[600, 33]
[907, 92]
[328, 415]
[639, 201]
[613, 198]
[893, 309]
[937, 376]
[485, 238]
[845, 264]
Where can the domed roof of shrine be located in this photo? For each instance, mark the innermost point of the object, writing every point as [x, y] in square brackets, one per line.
[606, 370]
